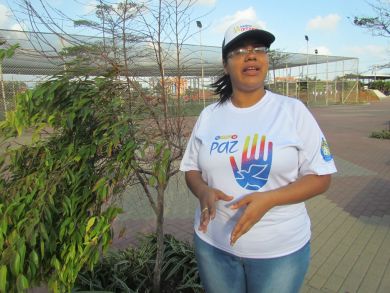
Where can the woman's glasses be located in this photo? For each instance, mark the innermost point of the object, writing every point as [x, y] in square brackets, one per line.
[245, 51]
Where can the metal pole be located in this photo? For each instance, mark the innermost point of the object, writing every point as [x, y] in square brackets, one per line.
[2, 88]
[327, 77]
[286, 74]
[199, 25]
[201, 64]
[307, 68]
[357, 81]
[342, 86]
[315, 85]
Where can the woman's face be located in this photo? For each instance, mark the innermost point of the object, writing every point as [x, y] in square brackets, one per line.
[247, 71]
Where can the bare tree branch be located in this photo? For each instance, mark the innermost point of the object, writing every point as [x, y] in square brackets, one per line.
[379, 24]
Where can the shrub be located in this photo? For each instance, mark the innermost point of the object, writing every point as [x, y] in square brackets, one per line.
[131, 270]
[384, 134]
[55, 216]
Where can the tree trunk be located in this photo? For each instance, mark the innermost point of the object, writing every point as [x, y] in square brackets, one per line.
[160, 239]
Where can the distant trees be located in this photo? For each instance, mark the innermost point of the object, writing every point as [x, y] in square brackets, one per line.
[383, 86]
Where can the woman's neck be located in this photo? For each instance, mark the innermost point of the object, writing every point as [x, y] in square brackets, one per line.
[243, 99]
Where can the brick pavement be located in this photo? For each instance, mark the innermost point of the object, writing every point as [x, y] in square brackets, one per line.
[351, 221]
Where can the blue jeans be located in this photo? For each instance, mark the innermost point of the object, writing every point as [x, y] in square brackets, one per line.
[222, 272]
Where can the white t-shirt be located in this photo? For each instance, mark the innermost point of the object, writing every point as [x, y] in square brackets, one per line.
[259, 148]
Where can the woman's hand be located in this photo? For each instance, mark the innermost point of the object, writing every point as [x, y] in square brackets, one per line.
[255, 206]
[207, 199]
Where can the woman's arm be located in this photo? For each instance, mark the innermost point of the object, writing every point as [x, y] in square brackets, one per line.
[207, 197]
[258, 203]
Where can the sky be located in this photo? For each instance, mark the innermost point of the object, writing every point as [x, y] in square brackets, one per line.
[327, 23]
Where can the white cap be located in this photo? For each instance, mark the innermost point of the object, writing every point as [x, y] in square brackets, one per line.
[245, 29]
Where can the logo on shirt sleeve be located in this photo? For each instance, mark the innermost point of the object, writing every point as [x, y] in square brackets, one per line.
[325, 151]
[254, 171]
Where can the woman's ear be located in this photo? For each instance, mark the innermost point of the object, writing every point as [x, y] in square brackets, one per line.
[225, 67]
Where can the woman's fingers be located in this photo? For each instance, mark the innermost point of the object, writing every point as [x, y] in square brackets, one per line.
[212, 211]
[208, 210]
[241, 203]
[222, 196]
[254, 209]
[243, 225]
[204, 219]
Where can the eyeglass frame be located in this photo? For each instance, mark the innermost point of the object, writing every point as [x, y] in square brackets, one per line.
[245, 51]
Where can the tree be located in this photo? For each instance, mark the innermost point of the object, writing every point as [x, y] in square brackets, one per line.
[379, 25]
[144, 132]
[55, 215]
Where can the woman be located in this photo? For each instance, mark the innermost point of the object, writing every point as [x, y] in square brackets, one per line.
[252, 160]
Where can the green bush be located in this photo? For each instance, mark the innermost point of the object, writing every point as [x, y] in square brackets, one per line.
[384, 134]
[131, 270]
[383, 86]
[54, 211]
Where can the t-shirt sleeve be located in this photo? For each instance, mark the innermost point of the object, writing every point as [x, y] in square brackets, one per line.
[314, 153]
[190, 158]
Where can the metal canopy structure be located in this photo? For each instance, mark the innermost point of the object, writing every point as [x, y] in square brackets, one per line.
[28, 62]
[315, 79]
[35, 59]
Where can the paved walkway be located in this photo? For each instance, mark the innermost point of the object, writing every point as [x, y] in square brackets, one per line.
[351, 221]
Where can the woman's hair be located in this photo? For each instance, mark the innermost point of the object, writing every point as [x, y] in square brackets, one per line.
[223, 88]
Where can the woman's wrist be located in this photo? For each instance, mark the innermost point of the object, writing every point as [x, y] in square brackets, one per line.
[268, 198]
[203, 192]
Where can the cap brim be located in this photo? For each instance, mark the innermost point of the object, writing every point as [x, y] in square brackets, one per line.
[262, 37]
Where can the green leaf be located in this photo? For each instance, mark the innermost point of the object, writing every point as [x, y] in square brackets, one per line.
[69, 119]
[34, 258]
[22, 283]
[56, 263]
[42, 246]
[99, 184]
[21, 251]
[90, 223]
[15, 264]
[20, 210]
[3, 278]
[64, 227]
[3, 226]
[43, 231]
[11, 50]
[152, 181]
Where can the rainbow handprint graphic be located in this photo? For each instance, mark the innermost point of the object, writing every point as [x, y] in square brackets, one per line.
[254, 171]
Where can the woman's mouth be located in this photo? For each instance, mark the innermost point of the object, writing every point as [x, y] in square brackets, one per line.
[250, 69]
